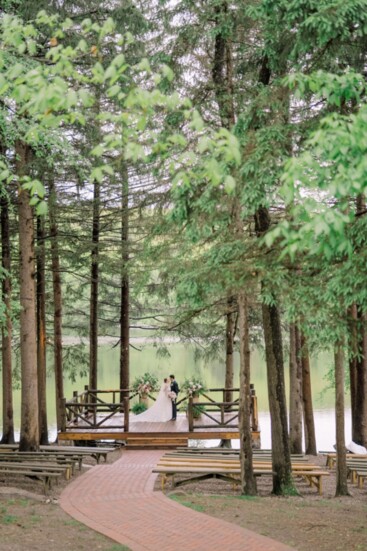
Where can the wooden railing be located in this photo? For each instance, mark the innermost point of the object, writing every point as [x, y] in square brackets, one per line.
[84, 411]
[94, 409]
[205, 408]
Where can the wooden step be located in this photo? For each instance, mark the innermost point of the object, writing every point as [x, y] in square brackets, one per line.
[151, 442]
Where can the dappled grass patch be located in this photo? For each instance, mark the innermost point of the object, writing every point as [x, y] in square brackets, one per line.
[182, 500]
[7, 518]
[118, 547]
[245, 498]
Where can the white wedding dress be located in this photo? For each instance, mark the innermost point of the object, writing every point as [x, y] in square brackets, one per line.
[161, 410]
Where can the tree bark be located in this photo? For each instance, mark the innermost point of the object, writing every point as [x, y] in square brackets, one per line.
[309, 421]
[359, 375]
[341, 464]
[29, 427]
[230, 334]
[125, 296]
[94, 284]
[222, 75]
[359, 425]
[6, 330]
[41, 332]
[295, 390]
[353, 360]
[282, 479]
[228, 383]
[222, 70]
[248, 480]
[57, 300]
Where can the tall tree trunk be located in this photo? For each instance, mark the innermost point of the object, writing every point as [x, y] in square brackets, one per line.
[360, 426]
[29, 426]
[57, 300]
[353, 361]
[230, 334]
[125, 298]
[248, 480]
[228, 383]
[41, 332]
[282, 479]
[295, 390]
[359, 404]
[222, 75]
[309, 421]
[222, 70]
[94, 284]
[341, 464]
[6, 330]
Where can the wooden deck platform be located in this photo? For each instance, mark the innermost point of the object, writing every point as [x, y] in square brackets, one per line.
[153, 433]
[100, 415]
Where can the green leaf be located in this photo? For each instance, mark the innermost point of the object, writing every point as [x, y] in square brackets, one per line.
[41, 208]
[97, 175]
[229, 184]
[113, 90]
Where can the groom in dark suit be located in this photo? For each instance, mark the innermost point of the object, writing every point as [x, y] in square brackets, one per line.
[174, 388]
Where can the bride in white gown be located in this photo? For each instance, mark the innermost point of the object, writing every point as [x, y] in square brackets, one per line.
[161, 410]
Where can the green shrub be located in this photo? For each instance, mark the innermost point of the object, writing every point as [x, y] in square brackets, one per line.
[138, 408]
[198, 410]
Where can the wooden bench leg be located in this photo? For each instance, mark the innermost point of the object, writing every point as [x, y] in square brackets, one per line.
[320, 485]
[163, 481]
[360, 480]
[46, 484]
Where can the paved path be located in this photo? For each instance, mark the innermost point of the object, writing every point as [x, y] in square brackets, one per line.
[118, 501]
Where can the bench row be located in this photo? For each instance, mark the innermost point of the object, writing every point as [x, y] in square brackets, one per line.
[200, 468]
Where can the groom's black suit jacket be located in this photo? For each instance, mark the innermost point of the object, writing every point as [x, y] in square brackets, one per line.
[174, 387]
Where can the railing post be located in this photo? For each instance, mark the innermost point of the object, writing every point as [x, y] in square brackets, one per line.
[126, 403]
[76, 408]
[86, 399]
[222, 415]
[190, 414]
[254, 410]
[63, 414]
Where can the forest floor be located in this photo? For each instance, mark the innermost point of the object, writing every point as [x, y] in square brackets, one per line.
[307, 522]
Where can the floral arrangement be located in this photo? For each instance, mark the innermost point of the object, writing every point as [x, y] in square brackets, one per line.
[145, 384]
[193, 386]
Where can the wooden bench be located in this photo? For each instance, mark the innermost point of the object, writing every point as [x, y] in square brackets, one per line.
[313, 477]
[78, 451]
[91, 451]
[216, 462]
[41, 457]
[354, 465]
[331, 458]
[226, 468]
[37, 466]
[47, 476]
[361, 477]
[227, 458]
[231, 474]
[229, 451]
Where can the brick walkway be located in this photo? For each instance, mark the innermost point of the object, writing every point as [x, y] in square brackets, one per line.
[118, 501]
